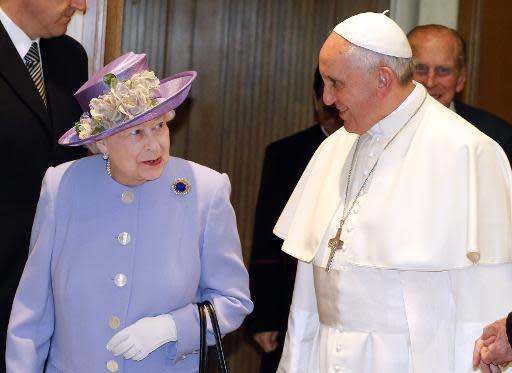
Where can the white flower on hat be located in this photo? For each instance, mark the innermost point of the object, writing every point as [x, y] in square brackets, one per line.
[104, 111]
[84, 127]
[125, 100]
[145, 79]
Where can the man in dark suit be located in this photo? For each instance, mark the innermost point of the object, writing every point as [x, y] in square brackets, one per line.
[272, 272]
[36, 108]
[439, 54]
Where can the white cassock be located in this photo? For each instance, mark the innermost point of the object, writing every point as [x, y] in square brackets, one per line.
[427, 247]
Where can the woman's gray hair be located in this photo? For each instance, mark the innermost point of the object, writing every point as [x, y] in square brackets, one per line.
[403, 68]
[92, 147]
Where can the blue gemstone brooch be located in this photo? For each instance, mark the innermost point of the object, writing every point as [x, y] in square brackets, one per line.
[181, 186]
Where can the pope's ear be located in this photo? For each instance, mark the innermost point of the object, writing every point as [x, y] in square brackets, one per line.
[384, 77]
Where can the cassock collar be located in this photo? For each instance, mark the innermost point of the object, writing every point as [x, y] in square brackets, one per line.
[391, 124]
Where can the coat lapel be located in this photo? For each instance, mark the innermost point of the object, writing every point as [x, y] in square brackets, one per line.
[13, 70]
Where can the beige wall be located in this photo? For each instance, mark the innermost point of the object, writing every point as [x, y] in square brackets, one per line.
[410, 13]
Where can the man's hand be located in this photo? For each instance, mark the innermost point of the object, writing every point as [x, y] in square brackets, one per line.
[492, 348]
[479, 344]
[267, 340]
[499, 351]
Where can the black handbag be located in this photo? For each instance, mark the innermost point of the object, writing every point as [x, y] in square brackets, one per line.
[207, 307]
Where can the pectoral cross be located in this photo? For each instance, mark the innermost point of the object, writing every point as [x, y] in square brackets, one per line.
[334, 244]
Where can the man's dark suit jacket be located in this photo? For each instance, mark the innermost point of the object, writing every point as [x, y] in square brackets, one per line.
[28, 146]
[493, 126]
[272, 272]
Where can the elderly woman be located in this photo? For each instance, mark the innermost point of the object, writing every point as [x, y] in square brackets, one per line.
[123, 245]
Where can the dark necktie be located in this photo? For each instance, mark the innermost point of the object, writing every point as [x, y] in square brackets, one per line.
[33, 63]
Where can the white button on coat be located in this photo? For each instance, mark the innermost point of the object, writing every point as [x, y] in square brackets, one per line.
[112, 366]
[127, 197]
[124, 238]
[120, 280]
[114, 322]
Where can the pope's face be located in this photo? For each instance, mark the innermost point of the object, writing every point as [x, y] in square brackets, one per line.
[435, 55]
[138, 154]
[50, 18]
[349, 87]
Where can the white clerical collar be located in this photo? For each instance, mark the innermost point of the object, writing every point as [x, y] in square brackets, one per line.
[399, 117]
[452, 107]
[21, 41]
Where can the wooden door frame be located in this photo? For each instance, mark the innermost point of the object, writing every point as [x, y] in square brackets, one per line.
[469, 28]
[114, 30]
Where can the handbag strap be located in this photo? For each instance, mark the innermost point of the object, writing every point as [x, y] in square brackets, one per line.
[203, 345]
[218, 338]
[204, 307]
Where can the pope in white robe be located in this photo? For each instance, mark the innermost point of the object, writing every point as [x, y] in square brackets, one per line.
[425, 200]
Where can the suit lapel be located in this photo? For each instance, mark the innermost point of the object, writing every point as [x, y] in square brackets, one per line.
[13, 70]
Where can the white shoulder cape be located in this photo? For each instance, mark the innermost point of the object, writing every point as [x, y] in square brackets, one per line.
[439, 198]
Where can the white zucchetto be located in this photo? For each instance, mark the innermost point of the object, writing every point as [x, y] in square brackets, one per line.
[376, 32]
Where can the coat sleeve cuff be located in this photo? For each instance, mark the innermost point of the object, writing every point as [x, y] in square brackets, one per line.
[187, 331]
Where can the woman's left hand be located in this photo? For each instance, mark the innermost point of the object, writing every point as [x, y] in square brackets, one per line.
[143, 337]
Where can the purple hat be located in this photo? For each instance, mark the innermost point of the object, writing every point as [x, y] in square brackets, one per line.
[124, 94]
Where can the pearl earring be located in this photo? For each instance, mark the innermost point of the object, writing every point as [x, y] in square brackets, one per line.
[107, 165]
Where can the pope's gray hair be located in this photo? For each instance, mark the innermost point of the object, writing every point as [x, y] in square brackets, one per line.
[403, 68]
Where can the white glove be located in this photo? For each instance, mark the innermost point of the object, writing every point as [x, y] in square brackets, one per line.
[143, 337]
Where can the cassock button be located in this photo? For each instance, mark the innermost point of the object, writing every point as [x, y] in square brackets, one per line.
[127, 197]
[339, 348]
[112, 366]
[120, 280]
[337, 368]
[114, 322]
[124, 238]
[473, 256]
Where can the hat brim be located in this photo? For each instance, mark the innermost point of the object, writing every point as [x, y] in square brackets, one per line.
[172, 92]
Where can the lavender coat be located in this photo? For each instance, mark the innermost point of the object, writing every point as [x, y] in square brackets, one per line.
[181, 248]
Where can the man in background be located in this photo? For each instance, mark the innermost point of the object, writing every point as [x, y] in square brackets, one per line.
[40, 70]
[439, 53]
[272, 272]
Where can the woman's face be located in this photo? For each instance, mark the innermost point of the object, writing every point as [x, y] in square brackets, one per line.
[138, 154]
